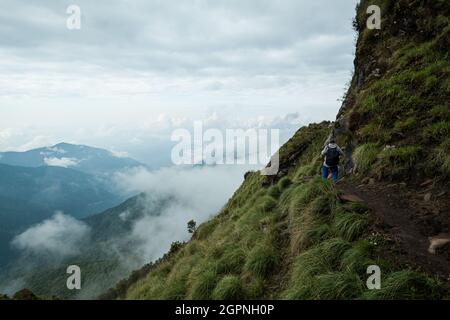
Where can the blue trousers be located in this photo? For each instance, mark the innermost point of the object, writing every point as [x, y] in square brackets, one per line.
[334, 172]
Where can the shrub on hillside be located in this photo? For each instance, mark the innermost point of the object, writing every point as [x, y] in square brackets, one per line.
[350, 226]
[231, 262]
[399, 161]
[284, 183]
[261, 260]
[407, 284]
[228, 288]
[203, 284]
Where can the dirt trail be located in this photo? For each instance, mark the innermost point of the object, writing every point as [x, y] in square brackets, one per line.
[406, 219]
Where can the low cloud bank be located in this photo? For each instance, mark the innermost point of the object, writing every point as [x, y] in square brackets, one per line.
[61, 162]
[60, 236]
[172, 197]
[198, 193]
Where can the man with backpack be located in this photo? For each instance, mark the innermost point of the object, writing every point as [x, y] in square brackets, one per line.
[331, 153]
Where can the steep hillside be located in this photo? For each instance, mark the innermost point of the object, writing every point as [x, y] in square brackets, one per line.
[396, 115]
[14, 215]
[297, 236]
[395, 125]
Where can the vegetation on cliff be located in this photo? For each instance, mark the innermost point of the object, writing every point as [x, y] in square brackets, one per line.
[292, 236]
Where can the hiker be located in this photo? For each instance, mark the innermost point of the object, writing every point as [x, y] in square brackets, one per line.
[331, 153]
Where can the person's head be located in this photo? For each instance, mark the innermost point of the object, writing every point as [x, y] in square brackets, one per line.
[332, 140]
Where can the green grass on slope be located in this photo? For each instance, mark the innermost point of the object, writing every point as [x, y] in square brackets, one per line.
[400, 117]
[328, 263]
[293, 240]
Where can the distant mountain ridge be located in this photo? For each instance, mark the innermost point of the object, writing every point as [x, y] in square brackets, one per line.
[73, 179]
[80, 157]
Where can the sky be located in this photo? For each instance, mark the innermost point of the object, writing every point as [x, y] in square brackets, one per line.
[138, 69]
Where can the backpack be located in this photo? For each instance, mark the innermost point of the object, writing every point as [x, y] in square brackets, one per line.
[332, 157]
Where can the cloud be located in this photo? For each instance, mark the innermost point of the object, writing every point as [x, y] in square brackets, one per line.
[120, 154]
[153, 65]
[60, 236]
[124, 215]
[61, 162]
[5, 134]
[56, 150]
[194, 193]
[223, 120]
[162, 55]
[199, 37]
[36, 142]
[149, 140]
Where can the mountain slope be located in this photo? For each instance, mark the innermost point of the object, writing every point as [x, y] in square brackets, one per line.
[30, 195]
[69, 178]
[396, 114]
[295, 235]
[104, 258]
[77, 193]
[15, 215]
[83, 158]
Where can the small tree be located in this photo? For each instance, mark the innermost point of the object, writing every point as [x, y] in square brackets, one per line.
[192, 225]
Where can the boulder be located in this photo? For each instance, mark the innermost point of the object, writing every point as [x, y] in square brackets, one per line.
[350, 198]
[426, 183]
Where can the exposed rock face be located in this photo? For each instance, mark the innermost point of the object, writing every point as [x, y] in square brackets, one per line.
[289, 158]
[406, 25]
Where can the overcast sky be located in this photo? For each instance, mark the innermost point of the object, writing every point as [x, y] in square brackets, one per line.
[139, 68]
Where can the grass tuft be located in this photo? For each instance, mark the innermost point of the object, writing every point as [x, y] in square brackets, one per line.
[229, 288]
[350, 226]
[333, 249]
[274, 191]
[338, 286]
[284, 183]
[407, 284]
[231, 262]
[365, 156]
[261, 260]
[203, 283]
[268, 203]
[205, 229]
[358, 258]
[401, 160]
